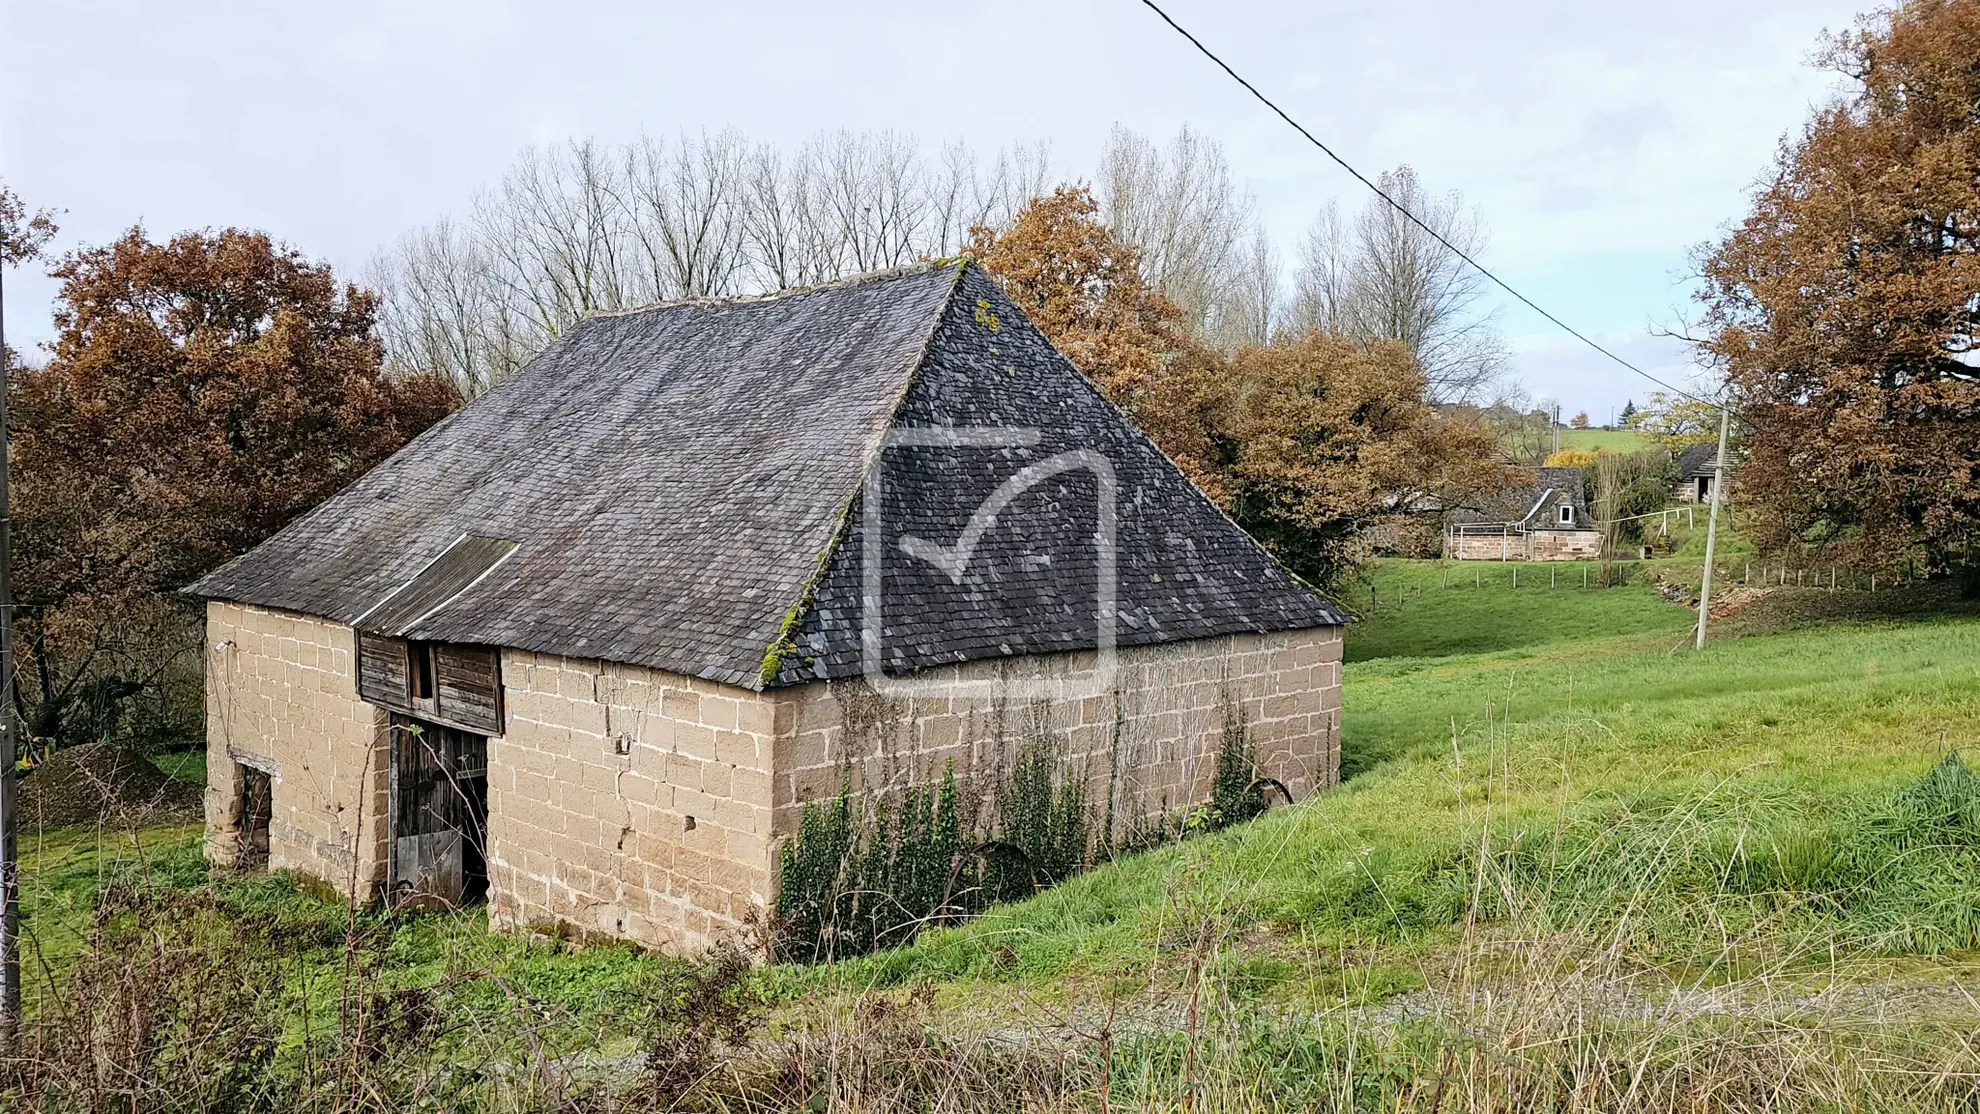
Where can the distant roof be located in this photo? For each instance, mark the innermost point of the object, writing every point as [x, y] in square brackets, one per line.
[1697, 460]
[681, 487]
[1535, 505]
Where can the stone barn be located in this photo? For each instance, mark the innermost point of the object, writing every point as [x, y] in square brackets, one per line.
[586, 648]
[1697, 471]
[1545, 520]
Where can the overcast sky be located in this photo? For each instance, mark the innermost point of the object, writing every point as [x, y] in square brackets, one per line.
[1600, 141]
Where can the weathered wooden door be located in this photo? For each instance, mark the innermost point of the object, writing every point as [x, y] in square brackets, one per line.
[439, 796]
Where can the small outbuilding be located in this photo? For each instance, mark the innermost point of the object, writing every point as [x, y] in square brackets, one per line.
[1545, 520]
[1697, 471]
[586, 648]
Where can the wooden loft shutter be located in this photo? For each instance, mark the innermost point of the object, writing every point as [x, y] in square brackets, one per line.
[383, 677]
[467, 681]
[467, 686]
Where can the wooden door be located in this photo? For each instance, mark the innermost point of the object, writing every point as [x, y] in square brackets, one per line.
[439, 796]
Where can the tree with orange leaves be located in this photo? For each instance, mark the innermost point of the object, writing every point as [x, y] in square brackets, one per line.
[200, 395]
[1083, 288]
[1845, 309]
[1306, 443]
[1309, 442]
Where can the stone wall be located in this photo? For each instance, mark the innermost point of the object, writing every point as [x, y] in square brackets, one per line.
[1564, 545]
[1539, 545]
[637, 803]
[1146, 748]
[281, 696]
[628, 802]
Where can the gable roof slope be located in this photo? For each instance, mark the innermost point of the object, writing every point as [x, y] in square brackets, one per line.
[1523, 504]
[669, 477]
[681, 485]
[1029, 581]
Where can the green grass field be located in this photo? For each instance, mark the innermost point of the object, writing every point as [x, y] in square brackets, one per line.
[1433, 609]
[1589, 748]
[1614, 440]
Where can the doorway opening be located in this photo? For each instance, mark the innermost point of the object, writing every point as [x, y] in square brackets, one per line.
[257, 804]
[439, 821]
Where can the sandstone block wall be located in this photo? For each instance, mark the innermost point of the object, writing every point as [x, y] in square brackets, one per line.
[281, 696]
[628, 802]
[1540, 545]
[636, 803]
[1147, 747]
[1564, 545]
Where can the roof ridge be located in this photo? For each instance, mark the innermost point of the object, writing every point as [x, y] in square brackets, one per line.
[782, 643]
[885, 274]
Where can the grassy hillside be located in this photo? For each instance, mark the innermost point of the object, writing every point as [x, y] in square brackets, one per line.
[1614, 440]
[1432, 609]
[1624, 754]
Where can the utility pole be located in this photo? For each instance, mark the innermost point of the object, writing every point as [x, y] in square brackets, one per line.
[10, 854]
[1712, 525]
[1557, 427]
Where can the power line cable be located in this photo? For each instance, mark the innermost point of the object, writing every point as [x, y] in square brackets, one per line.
[1412, 217]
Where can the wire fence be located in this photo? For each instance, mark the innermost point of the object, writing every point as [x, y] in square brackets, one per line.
[1592, 576]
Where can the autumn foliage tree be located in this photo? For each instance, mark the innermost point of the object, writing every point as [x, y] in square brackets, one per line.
[1310, 441]
[1305, 443]
[1844, 307]
[199, 395]
[1084, 290]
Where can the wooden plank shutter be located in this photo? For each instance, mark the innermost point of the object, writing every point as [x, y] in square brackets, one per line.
[383, 677]
[467, 686]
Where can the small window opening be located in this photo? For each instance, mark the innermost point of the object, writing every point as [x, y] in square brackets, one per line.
[422, 670]
[1567, 514]
[687, 823]
[257, 804]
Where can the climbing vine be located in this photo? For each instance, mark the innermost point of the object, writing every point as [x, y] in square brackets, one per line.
[859, 876]
[1234, 792]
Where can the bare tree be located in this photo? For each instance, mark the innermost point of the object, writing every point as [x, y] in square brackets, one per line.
[1386, 277]
[964, 196]
[443, 310]
[683, 209]
[1249, 310]
[1195, 229]
[1324, 287]
[778, 230]
[556, 230]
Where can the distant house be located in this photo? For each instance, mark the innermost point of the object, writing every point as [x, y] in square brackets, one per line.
[1546, 520]
[1696, 468]
[586, 649]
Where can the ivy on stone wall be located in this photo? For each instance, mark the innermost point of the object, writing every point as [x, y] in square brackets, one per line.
[856, 877]
[850, 882]
[1234, 792]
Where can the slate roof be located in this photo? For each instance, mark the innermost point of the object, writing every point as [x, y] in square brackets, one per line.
[1533, 506]
[683, 488]
[1697, 460]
